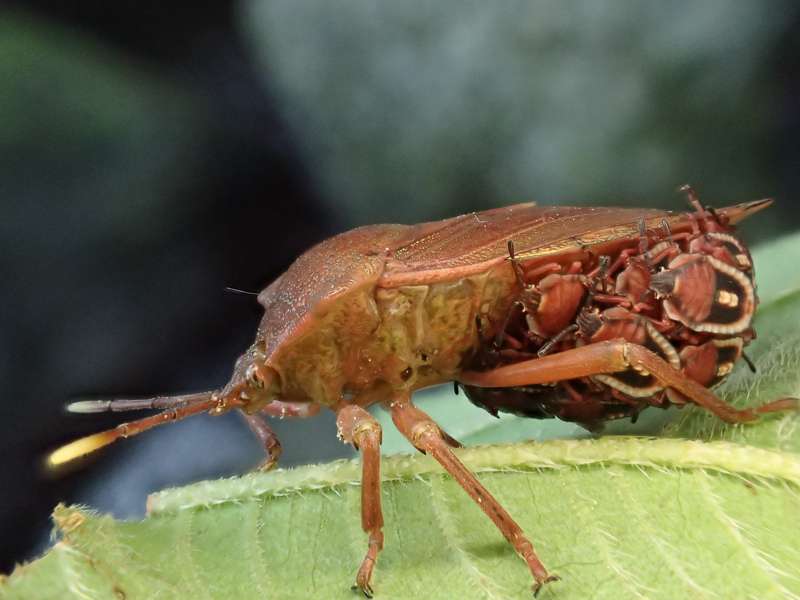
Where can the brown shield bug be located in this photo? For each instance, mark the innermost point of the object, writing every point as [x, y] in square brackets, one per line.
[585, 314]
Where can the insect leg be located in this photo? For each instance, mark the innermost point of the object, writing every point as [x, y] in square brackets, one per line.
[259, 426]
[90, 443]
[359, 428]
[294, 410]
[642, 358]
[529, 296]
[612, 357]
[692, 197]
[427, 437]
[549, 344]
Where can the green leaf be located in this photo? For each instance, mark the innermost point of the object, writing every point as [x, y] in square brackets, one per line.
[616, 517]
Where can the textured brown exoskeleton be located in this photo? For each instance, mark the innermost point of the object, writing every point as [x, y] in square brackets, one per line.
[585, 314]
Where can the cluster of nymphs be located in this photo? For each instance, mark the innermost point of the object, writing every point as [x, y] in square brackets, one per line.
[689, 297]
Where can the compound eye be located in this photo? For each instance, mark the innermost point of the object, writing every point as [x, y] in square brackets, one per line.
[253, 377]
[706, 294]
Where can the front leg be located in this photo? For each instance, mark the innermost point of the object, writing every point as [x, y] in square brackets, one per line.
[272, 446]
[259, 426]
[613, 357]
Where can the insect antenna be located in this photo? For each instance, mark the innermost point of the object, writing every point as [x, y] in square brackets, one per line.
[126, 404]
[179, 407]
[643, 242]
[234, 290]
[549, 344]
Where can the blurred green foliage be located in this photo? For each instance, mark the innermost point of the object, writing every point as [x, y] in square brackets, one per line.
[90, 137]
[425, 109]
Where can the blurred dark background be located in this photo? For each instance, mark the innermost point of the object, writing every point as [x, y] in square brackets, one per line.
[151, 156]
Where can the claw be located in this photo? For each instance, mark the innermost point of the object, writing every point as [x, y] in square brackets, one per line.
[268, 464]
[537, 587]
[366, 589]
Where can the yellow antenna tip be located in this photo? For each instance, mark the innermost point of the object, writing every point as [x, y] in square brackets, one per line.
[80, 447]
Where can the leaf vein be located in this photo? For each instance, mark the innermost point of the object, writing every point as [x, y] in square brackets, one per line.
[669, 554]
[450, 533]
[737, 532]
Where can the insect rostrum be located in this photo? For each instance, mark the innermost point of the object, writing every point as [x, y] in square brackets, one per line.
[585, 314]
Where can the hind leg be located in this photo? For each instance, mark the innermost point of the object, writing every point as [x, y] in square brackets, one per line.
[426, 436]
[616, 356]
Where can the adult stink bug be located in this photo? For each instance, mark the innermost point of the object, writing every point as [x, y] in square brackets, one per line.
[585, 314]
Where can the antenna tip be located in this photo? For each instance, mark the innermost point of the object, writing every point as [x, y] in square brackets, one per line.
[89, 406]
[78, 448]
